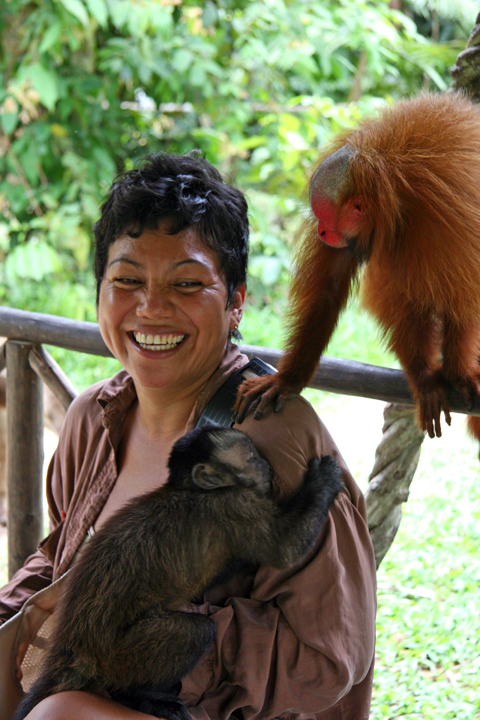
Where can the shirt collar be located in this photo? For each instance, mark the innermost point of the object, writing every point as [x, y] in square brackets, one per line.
[118, 393]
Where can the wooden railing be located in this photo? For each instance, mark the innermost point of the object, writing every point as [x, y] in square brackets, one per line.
[28, 364]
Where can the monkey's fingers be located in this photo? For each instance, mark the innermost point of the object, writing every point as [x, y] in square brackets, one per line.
[274, 397]
[249, 395]
[257, 394]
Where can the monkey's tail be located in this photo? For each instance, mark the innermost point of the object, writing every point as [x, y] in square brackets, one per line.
[473, 425]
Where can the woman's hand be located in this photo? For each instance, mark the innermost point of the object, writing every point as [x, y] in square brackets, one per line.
[76, 705]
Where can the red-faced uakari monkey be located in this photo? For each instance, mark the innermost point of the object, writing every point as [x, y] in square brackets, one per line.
[399, 197]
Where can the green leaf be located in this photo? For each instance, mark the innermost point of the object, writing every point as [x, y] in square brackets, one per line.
[209, 15]
[50, 37]
[33, 259]
[99, 10]
[182, 59]
[197, 76]
[77, 9]
[45, 82]
[8, 122]
[4, 237]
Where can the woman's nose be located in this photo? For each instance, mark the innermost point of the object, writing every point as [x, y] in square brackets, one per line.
[156, 302]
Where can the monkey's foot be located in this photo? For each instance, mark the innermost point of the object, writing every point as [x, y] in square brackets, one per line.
[168, 709]
[160, 704]
[258, 393]
[469, 386]
[431, 395]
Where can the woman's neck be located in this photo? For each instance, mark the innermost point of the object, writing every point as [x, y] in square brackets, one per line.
[161, 415]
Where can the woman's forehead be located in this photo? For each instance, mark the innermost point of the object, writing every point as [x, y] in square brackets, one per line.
[158, 245]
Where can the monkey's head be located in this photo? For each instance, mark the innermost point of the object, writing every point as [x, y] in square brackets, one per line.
[340, 212]
[212, 458]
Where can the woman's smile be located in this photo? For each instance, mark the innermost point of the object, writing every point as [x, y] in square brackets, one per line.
[157, 343]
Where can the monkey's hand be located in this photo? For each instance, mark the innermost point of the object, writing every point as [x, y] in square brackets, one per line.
[258, 393]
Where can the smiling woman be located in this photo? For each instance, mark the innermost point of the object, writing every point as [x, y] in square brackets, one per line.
[170, 263]
[162, 286]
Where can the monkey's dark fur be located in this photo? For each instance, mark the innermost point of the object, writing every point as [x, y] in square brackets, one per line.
[119, 625]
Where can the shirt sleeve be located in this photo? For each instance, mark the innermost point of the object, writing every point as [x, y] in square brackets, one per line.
[35, 575]
[304, 637]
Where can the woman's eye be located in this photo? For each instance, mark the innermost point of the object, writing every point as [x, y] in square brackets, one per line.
[126, 282]
[189, 285]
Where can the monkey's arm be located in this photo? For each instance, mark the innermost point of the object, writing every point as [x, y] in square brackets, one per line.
[318, 296]
[299, 638]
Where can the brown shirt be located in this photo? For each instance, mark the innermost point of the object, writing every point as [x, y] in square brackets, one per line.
[295, 643]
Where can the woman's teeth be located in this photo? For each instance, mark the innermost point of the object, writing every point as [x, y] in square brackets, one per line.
[158, 342]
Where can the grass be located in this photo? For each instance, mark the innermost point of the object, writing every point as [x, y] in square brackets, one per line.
[428, 631]
[428, 622]
[428, 663]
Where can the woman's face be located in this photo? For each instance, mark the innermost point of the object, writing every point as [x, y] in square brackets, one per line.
[162, 309]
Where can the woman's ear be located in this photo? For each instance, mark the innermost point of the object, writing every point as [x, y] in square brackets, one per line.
[236, 311]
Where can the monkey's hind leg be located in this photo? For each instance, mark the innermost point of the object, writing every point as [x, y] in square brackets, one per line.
[157, 651]
[461, 348]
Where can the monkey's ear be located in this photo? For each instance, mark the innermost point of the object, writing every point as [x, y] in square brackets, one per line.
[204, 475]
[355, 205]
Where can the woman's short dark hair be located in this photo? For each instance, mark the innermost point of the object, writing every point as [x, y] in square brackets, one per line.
[184, 191]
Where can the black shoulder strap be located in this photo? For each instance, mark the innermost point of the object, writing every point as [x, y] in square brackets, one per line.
[220, 408]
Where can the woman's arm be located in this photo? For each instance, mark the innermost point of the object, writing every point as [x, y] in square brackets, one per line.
[75, 705]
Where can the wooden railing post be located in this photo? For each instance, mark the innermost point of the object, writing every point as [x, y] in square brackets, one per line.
[24, 455]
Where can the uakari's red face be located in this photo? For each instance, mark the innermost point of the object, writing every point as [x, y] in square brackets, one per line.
[337, 228]
[162, 309]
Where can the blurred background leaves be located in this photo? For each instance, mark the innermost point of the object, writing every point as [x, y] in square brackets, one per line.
[91, 86]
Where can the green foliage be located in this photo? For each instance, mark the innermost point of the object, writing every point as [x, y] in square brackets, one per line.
[91, 86]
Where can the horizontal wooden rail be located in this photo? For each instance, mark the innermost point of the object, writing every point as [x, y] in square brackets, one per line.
[52, 330]
[345, 377]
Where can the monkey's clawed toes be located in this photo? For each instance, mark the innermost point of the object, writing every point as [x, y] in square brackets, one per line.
[258, 394]
[469, 387]
[431, 406]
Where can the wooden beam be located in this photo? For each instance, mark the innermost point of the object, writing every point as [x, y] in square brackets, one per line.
[24, 455]
[348, 377]
[3, 355]
[52, 330]
[52, 375]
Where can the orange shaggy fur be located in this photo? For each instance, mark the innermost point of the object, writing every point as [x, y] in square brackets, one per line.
[417, 169]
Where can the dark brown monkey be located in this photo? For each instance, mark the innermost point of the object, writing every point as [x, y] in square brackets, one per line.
[119, 625]
[400, 196]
